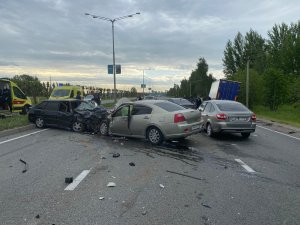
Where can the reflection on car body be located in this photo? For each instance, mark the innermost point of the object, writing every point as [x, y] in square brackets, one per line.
[75, 114]
[183, 102]
[155, 120]
[227, 116]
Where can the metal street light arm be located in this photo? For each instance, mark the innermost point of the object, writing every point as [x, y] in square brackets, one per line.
[123, 17]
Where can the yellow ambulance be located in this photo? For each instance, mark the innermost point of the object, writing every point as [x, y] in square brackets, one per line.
[12, 98]
[66, 92]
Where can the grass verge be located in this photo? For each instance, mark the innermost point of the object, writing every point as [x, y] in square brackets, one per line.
[13, 122]
[287, 114]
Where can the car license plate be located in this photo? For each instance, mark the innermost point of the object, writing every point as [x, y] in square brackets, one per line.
[195, 127]
[238, 118]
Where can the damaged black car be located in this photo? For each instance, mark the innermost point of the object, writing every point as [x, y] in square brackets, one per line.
[73, 114]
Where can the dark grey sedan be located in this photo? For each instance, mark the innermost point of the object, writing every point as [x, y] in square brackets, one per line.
[219, 116]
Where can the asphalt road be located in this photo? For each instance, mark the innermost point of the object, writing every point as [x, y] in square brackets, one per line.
[198, 181]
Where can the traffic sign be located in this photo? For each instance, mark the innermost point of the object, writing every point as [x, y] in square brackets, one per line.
[143, 85]
[110, 69]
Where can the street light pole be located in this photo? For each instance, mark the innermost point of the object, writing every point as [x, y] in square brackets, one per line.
[143, 83]
[113, 39]
[247, 85]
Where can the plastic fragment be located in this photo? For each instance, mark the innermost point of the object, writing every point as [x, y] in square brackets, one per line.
[111, 184]
[162, 186]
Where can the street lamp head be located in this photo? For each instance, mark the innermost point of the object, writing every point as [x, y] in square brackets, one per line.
[138, 13]
[95, 17]
[87, 14]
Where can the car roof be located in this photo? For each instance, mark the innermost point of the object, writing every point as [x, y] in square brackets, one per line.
[222, 101]
[63, 100]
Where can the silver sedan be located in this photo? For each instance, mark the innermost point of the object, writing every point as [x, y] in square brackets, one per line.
[155, 120]
[227, 116]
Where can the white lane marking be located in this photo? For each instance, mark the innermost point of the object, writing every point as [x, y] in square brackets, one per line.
[16, 138]
[279, 132]
[245, 166]
[77, 180]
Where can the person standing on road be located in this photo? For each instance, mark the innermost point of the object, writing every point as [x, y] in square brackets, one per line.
[97, 98]
[78, 96]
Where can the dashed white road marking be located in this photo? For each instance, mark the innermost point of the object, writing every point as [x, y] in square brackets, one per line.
[245, 166]
[279, 132]
[26, 135]
[77, 180]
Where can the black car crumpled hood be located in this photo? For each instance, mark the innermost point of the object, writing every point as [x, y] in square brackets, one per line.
[91, 118]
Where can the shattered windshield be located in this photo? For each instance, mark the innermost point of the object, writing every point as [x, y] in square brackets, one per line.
[85, 106]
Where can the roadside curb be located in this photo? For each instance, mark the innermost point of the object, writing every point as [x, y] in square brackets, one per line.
[5, 133]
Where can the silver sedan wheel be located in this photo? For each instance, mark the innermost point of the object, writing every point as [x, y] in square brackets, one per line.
[77, 126]
[39, 122]
[209, 131]
[154, 136]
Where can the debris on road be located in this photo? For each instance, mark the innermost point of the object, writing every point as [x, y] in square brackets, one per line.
[101, 198]
[103, 157]
[131, 164]
[113, 177]
[37, 216]
[292, 132]
[111, 184]
[122, 143]
[144, 213]
[205, 205]
[181, 174]
[26, 166]
[69, 180]
[116, 155]
[225, 167]
[162, 186]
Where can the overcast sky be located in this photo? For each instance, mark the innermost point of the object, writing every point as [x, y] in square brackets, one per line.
[54, 37]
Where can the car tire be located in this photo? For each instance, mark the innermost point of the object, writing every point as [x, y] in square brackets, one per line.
[155, 136]
[39, 122]
[209, 130]
[77, 126]
[104, 128]
[245, 135]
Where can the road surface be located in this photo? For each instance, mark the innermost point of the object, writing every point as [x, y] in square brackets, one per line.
[202, 180]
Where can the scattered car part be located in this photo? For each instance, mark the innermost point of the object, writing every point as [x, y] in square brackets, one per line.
[25, 164]
[111, 184]
[69, 180]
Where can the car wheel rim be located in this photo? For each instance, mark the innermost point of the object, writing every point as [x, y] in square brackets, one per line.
[154, 136]
[103, 128]
[208, 130]
[77, 126]
[39, 122]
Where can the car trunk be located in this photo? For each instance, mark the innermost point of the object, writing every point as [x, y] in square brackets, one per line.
[191, 116]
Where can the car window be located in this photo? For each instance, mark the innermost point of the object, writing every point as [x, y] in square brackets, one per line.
[85, 106]
[232, 106]
[141, 110]
[207, 107]
[18, 93]
[60, 93]
[41, 105]
[168, 106]
[124, 111]
[52, 106]
[64, 107]
[212, 108]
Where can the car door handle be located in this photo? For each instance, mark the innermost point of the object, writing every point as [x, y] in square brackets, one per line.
[146, 117]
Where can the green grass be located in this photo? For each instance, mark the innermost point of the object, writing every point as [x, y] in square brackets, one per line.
[287, 114]
[12, 122]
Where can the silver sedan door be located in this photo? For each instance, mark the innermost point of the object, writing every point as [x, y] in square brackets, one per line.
[119, 123]
[139, 120]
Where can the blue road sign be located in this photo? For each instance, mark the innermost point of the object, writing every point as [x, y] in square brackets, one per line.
[110, 69]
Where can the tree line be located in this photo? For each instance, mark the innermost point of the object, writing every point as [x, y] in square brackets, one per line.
[34, 88]
[274, 64]
[274, 68]
[197, 85]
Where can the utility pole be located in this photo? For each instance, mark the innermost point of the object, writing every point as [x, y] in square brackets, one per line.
[247, 84]
[143, 83]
